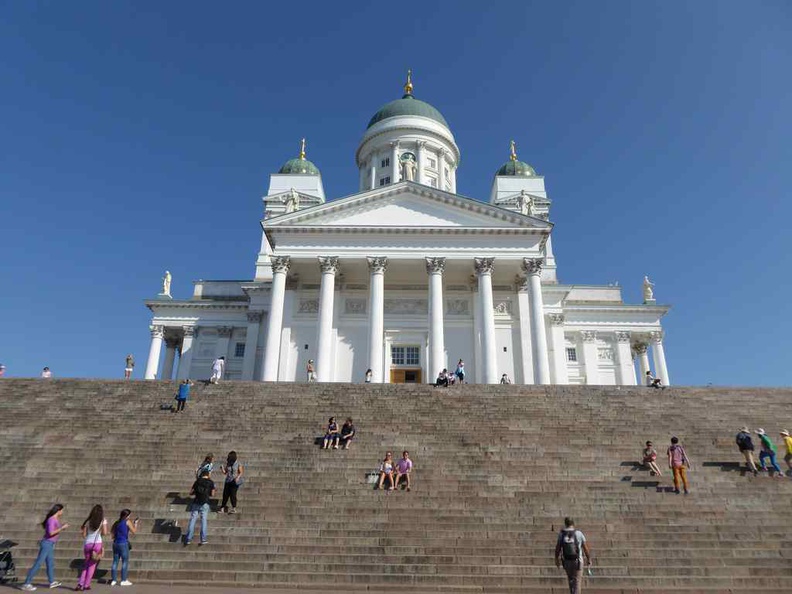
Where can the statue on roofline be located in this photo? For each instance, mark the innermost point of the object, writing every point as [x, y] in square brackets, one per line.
[166, 284]
[648, 293]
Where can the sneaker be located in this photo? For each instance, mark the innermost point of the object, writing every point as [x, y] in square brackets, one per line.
[202, 543]
[186, 543]
[28, 587]
[232, 510]
[676, 491]
[686, 491]
[114, 583]
[126, 583]
[335, 447]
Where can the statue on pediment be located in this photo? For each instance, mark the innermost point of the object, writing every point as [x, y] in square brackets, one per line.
[166, 284]
[525, 203]
[292, 201]
[648, 293]
[408, 167]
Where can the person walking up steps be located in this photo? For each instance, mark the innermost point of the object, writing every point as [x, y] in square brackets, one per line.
[678, 462]
[94, 527]
[218, 368]
[746, 447]
[310, 372]
[460, 371]
[183, 395]
[233, 471]
[571, 546]
[788, 445]
[52, 529]
[129, 366]
[121, 530]
[768, 451]
[203, 490]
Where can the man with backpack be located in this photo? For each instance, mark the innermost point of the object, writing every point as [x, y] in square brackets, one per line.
[570, 549]
[746, 447]
[203, 489]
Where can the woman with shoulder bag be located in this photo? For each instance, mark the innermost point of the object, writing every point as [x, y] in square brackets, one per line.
[94, 527]
[233, 471]
[121, 530]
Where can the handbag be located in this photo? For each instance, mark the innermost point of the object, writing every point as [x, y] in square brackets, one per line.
[96, 556]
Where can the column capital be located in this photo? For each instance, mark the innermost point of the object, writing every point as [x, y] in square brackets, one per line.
[639, 347]
[377, 264]
[157, 331]
[281, 264]
[420, 144]
[435, 265]
[190, 331]
[484, 265]
[656, 337]
[623, 337]
[224, 331]
[532, 266]
[328, 264]
[254, 317]
[589, 335]
[557, 319]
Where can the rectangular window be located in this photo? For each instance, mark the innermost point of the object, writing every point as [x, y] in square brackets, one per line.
[385, 162]
[571, 355]
[239, 350]
[384, 181]
[433, 182]
[447, 175]
[397, 355]
[432, 163]
[406, 355]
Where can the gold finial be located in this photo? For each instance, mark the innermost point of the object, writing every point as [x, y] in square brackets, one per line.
[302, 149]
[513, 148]
[408, 87]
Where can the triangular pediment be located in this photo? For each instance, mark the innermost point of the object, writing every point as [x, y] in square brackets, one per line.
[406, 205]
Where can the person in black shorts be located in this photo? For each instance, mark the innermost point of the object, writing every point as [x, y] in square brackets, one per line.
[347, 434]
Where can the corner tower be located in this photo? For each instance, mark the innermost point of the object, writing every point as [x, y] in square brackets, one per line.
[408, 139]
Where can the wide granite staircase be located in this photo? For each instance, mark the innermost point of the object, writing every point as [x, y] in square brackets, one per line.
[496, 470]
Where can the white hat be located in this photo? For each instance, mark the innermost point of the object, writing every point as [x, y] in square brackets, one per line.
[745, 430]
[785, 432]
[760, 431]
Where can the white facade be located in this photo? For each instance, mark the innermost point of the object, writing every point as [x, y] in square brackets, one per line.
[405, 278]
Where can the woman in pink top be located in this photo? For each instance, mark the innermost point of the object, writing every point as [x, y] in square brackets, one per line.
[94, 527]
[52, 529]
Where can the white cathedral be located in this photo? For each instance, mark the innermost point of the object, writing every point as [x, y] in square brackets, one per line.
[405, 278]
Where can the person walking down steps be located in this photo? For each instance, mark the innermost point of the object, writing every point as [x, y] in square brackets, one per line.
[218, 368]
[571, 546]
[679, 463]
[52, 528]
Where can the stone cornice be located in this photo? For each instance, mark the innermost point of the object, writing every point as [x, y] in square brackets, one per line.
[416, 230]
[154, 306]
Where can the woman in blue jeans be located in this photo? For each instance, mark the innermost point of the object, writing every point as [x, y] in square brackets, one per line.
[121, 531]
[52, 529]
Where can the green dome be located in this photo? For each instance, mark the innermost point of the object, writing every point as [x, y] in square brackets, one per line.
[407, 106]
[516, 168]
[297, 166]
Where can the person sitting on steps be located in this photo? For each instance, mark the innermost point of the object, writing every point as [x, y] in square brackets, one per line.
[505, 379]
[404, 468]
[386, 471]
[442, 378]
[347, 434]
[649, 459]
[653, 382]
[331, 435]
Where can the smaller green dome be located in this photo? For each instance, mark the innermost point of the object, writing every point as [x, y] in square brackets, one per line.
[299, 166]
[517, 168]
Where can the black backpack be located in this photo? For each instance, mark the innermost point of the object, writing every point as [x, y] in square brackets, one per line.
[202, 490]
[744, 441]
[569, 545]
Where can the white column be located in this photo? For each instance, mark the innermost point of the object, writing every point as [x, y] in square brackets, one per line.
[170, 357]
[395, 162]
[452, 175]
[559, 373]
[658, 354]
[324, 341]
[154, 352]
[185, 359]
[590, 357]
[373, 171]
[251, 344]
[526, 341]
[640, 349]
[626, 370]
[280, 268]
[224, 338]
[441, 171]
[437, 357]
[421, 162]
[533, 268]
[377, 268]
[484, 268]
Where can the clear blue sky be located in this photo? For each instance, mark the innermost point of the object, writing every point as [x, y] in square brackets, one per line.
[133, 132]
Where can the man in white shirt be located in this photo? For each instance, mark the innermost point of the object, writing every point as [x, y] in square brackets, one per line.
[218, 367]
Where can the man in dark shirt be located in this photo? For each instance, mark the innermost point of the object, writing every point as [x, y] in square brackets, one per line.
[203, 489]
[347, 433]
